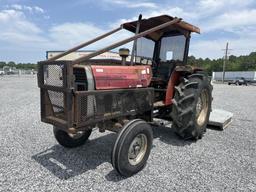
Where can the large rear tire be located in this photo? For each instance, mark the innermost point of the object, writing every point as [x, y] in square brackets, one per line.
[132, 147]
[71, 140]
[192, 106]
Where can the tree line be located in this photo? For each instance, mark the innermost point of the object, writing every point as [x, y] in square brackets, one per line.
[235, 63]
[25, 66]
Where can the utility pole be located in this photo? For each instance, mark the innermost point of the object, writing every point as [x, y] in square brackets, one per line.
[225, 62]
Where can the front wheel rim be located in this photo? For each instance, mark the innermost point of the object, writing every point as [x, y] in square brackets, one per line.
[137, 149]
[76, 135]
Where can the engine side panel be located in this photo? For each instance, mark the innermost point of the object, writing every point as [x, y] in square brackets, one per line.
[117, 77]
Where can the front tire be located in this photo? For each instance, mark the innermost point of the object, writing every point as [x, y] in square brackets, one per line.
[192, 106]
[71, 140]
[132, 147]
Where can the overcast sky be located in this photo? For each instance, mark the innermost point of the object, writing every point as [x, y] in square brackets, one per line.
[29, 28]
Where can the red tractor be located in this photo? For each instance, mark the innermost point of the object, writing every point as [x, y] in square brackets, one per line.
[124, 95]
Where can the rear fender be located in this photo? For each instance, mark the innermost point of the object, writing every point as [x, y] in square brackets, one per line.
[188, 69]
[175, 80]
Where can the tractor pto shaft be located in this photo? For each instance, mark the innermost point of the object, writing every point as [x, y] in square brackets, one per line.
[115, 45]
[84, 44]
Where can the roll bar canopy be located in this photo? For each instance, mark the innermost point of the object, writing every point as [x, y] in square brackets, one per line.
[146, 24]
[152, 28]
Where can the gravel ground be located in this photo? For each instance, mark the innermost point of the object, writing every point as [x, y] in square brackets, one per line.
[31, 159]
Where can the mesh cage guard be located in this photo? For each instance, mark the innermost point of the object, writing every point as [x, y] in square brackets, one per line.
[55, 79]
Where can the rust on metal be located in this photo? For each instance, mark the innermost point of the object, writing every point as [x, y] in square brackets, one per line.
[152, 22]
[173, 81]
[186, 68]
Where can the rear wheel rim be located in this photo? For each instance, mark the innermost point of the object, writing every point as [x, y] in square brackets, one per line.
[137, 149]
[202, 107]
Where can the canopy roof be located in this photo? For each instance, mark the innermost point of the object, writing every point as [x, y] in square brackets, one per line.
[146, 24]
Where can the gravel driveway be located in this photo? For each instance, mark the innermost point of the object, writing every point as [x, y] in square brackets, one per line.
[31, 159]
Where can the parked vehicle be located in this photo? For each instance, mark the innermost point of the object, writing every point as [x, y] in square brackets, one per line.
[124, 96]
[10, 73]
[238, 81]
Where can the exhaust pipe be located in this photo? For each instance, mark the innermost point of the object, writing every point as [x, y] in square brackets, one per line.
[124, 53]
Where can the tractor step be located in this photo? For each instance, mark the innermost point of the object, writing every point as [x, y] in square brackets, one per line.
[220, 119]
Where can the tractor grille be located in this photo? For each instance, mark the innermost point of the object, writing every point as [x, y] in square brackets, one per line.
[80, 79]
